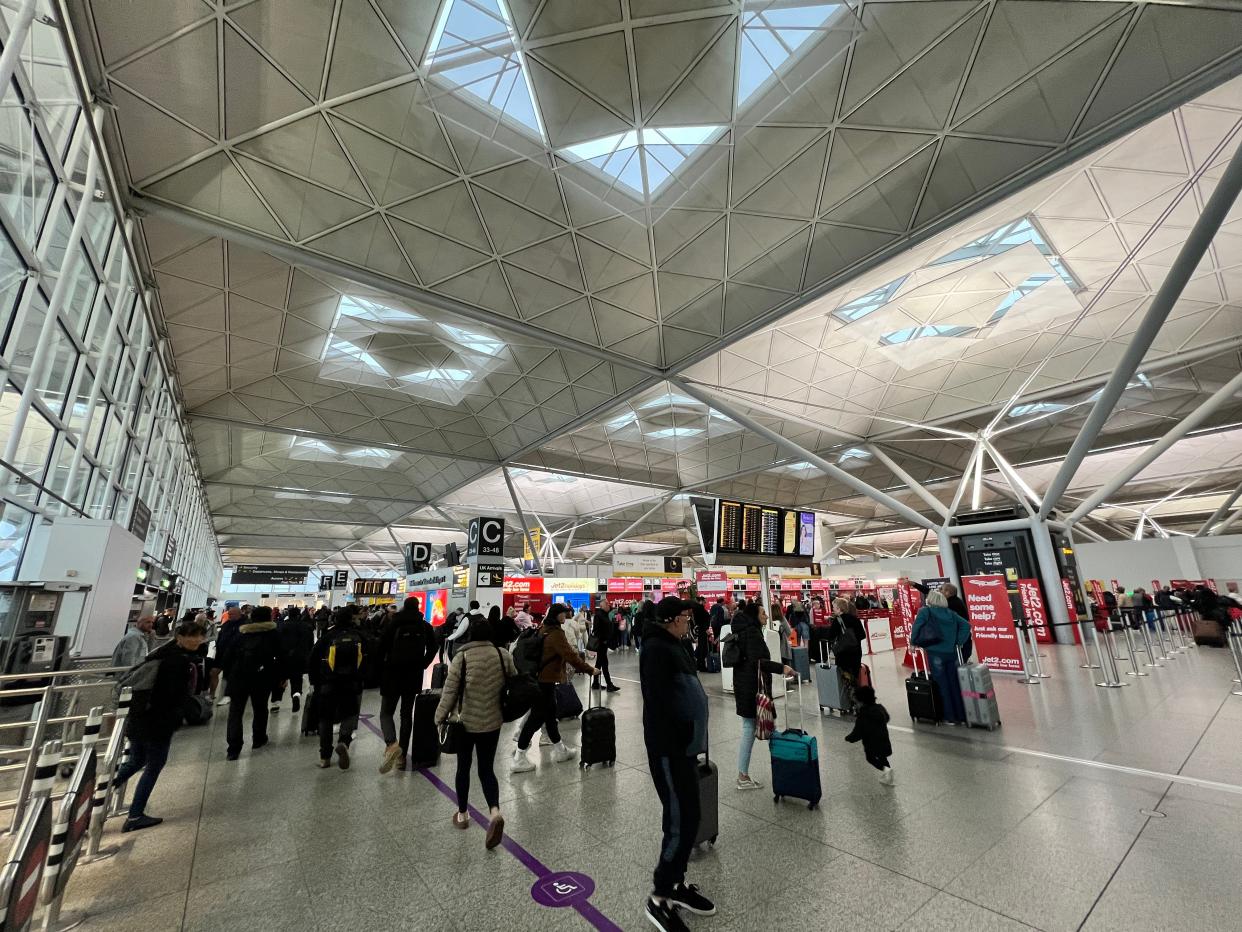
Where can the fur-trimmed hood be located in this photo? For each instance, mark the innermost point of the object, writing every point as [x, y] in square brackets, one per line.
[257, 627]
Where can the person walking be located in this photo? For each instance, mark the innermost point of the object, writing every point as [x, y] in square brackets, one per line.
[675, 734]
[940, 632]
[407, 647]
[135, 644]
[503, 628]
[336, 674]
[155, 714]
[472, 693]
[253, 668]
[603, 635]
[751, 673]
[846, 636]
[226, 636]
[556, 655]
[297, 638]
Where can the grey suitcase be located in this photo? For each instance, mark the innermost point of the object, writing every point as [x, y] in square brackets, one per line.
[830, 684]
[800, 660]
[978, 696]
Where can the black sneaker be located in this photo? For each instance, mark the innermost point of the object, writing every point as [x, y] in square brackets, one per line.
[688, 897]
[664, 916]
[614, 689]
[232, 755]
[137, 823]
[342, 755]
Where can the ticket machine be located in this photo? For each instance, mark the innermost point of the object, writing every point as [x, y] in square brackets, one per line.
[28, 643]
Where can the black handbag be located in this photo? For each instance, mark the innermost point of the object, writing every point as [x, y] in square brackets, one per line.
[519, 693]
[451, 731]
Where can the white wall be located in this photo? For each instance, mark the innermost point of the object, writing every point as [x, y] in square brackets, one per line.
[1137, 562]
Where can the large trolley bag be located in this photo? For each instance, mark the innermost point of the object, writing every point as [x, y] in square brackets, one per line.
[568, 704]
[800, 660]
[709, 801]
[425, 737]
[978, 696]
[599, 734]
[829, 683]
[922, 693]
[795, 761]
[310, 714]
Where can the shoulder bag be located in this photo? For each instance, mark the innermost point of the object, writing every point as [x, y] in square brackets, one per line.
[451, 730]
[518, 694]
[765, 712]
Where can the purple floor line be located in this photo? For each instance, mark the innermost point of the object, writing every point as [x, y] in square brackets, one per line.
[586, 910]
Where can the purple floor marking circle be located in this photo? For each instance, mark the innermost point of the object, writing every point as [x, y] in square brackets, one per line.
[564, 888]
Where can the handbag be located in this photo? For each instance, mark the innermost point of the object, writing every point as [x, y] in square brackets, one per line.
[765, 713]
[846, 640]
[518, 694]
[452, 728]
[928, 634]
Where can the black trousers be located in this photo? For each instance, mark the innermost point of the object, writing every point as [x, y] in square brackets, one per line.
[601, 664]
[878, 761]
[257, 697]
[677, 784]
[295, 688]
[483, 744]
[541, 714]
[336, 706]
[388, 705]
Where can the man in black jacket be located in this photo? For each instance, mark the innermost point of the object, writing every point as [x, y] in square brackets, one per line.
[675, 733]
[336, 673]
[253, 669]
[297, 637]
[407, 646]
[604, 632]
[155, 714]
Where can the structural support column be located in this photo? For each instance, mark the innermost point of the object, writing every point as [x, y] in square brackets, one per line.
[1188, 258]
[948, 562]
[530, 544]
[1220, 512]
[645, 515]
[1050, 576]
[784, 443]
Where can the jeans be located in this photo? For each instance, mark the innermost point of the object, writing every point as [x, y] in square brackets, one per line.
[483, 743]
[677, 784]
[149, 756]
[601, 664]
[257, 697]
[388, 705]
[334, 706]
[944, 673]
[747, 745]
[804, 634]
[542, 714]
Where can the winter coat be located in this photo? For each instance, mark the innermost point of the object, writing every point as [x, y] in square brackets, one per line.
[319, 661]
[871, 728]
[395, 675]
[575, 630]
[477, 674]
[297, 638]
[674, 703]
[603, 629]
[261, 638]
[557, 655]
[131, 650]
[753, 657]
[162, 712]
[717, 619]
[954, 630]
[848, 659]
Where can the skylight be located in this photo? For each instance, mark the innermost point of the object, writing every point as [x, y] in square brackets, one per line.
[1002, 239]
[473, 46]
[1036, 407]
[872, 301]
[437, 375]
[643, 160]
[927, 330]
[773, 35]
[853, 453]
[675, 433]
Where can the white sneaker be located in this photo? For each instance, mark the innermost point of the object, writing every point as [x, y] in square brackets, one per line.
[544, 740]
[562, 752]
[275, 708]
[886, 776]
[224, 701]
[521, 763]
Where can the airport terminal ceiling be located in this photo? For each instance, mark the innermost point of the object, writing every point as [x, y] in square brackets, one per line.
[398, 246]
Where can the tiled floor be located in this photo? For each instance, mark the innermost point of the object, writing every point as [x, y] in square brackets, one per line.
[999, 831]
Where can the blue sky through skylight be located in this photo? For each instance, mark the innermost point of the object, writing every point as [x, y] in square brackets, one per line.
[772, 35]
[644, 159]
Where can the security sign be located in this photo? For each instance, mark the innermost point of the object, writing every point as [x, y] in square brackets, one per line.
[487, 538]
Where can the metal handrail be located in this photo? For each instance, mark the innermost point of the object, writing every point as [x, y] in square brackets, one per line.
[52, 674]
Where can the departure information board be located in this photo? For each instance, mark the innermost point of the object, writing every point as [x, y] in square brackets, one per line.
[757, 530]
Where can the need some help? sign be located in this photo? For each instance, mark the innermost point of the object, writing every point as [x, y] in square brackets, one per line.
[991, 623]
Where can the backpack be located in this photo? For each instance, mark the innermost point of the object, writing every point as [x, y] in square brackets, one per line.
[253, 656]
[730, 650]
[344, 658]
[409, 645]
[528, 652]
[519, 693]
[141, 680]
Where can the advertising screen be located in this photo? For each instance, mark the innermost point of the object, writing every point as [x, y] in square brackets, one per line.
[436, 606]
[806, 533]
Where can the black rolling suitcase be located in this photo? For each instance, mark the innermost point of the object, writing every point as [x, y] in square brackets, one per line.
[599, 736]
[425, 738]
[709, 801]
[310, 714]
[568, 704]
[922, 693]
[439, 674]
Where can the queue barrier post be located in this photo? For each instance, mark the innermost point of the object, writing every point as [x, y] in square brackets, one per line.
[1027, 678]
[1163, 641]
[1134, 664]
[26, 784]
[99, 804]
[1082, 640]
[1174, 631]
[1034, 645]
[1107, 666]
[73, 817]
[1234, 636]
[1153, 660]
[116, 802]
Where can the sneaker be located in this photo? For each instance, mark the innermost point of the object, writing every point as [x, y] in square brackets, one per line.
[223, 701]
[544, 740]
[688, 897]
[297, 702]
[521, 763]
[342, 755]
[562, 752]
[275, 709]
[324, 763]
[137, 823]
[262, 742]
[459, 822]
[233, 755]
[750, 783]
[664, 916]
[401, 762]
[495, 832]
[613, 689]
[886, 776]
[390, 758]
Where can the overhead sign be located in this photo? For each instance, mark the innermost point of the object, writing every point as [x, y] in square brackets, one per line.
[1033, 609]
[524, 585]
[170, 550]
[712, 583]
[431, 579]
[571, 584]
[489, 576]
[140, 520]
[532, 537]
[341, 579]
[625, 584]
[325, 582]
[486, 538]
[991, 622]
[645, 564]
[249, 575]
[417, 556]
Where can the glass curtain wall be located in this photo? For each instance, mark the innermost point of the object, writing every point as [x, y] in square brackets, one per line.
[90, 423]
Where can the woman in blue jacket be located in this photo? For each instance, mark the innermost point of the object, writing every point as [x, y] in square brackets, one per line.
[940, 632]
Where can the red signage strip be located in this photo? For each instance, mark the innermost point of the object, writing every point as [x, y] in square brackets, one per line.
[625, 584]
[1033, 609]
[991, 622]
[1068, 592]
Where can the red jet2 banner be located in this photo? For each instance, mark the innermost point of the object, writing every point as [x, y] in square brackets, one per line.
[991, 623]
